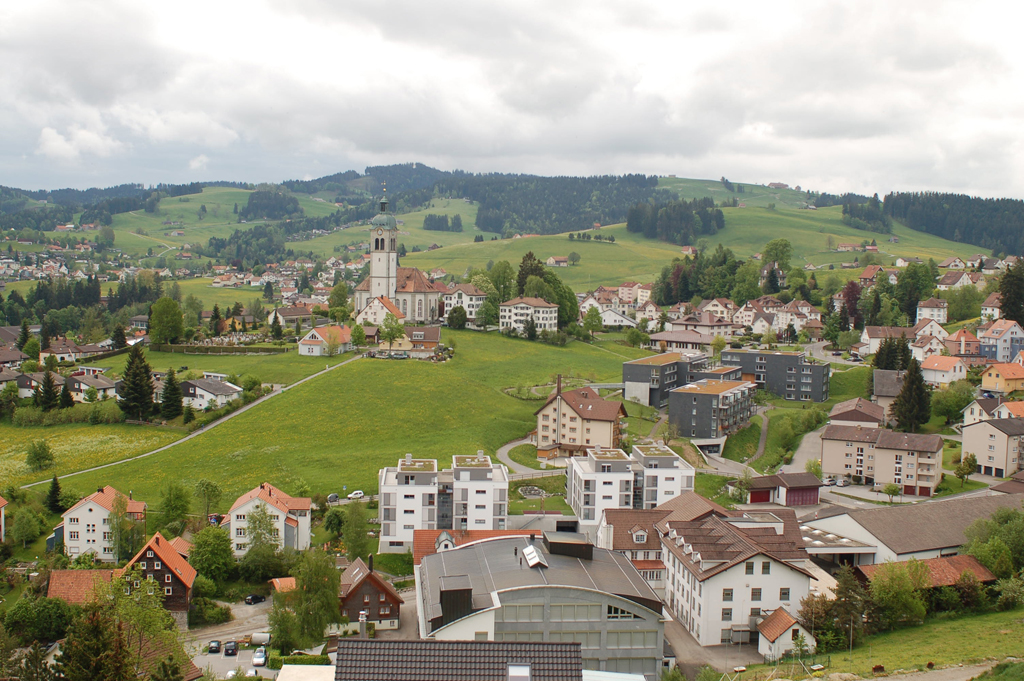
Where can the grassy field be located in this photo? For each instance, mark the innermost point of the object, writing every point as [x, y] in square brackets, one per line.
[280, 368]
[339, 429]
[75, 447]
[743, 445]
[712, 487]
[525, 455]
[553, 485]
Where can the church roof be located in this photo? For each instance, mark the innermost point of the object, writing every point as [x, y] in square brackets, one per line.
[408, 280]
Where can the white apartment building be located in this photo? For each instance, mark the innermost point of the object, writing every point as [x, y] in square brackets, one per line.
[469, 297]
[86, 525]
[514, 313]
[995, 444]
[611, 479]
[933, 308]
[415, 495]
[724, 575]
[290, 515]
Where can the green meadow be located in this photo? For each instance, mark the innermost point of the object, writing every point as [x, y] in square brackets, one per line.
[340, 428]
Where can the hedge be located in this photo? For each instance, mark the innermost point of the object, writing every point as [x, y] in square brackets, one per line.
[277, 662]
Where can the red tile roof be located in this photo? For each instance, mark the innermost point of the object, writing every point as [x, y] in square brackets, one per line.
[776, 624]
[105, 498]
[942, 571]
[358, 572]
[275, 497]
[181, 546]
[77, 587]
[283, 584]
[589, 404]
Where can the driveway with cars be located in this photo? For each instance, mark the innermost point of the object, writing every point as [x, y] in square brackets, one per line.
[248, 619]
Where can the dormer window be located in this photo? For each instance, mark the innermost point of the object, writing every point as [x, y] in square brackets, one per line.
[640, 537]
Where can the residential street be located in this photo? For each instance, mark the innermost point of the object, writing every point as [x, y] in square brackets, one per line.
[249, 619]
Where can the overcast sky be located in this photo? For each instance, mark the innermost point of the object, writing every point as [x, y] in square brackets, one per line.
[833, 96]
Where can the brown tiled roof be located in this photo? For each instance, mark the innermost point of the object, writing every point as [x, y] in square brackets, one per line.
[3, 502]
[467, 289]
[850, 433]
[358, 572]
[424, 542]
[532, 302]
[1009, 487]
[787, 480]
[170, 557]
[283, 584]
[626, 521]
[275, 498]
[77, 586]
[433, 660]
[589, 404]
[944, 571]
[407, 280]
[963, 334]
[858, 409]
[776, 624]
[182, 546]
[993, 300]
[888, 332]
[1009, 370]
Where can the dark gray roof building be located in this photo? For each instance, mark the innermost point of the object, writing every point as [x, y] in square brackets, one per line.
[888, 383]
[375, 660]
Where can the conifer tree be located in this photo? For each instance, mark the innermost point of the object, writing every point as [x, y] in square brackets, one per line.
[118, 337]
[46, 396]
[912, 407]
[44, 336]
[66, 400]
[24, 336]
[53, 497]
[170, 398]
[275, 328]
[137, 389]
[1011, 291]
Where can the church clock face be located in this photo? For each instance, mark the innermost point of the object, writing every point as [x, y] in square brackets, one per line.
[379, 232]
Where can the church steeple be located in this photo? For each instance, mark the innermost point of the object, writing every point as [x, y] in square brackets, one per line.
[384, 252]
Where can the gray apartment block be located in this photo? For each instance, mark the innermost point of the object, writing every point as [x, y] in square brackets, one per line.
[553, 587]
[787, 374]
[649, 380]
[709, 409]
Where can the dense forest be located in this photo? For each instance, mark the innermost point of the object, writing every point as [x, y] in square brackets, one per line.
[993, 224]
[678, 222]
[440, 223]
[826, 200]
[867, 216]
[338, 182]
[272, 205]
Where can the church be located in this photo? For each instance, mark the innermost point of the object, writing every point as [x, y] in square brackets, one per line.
[406, 287]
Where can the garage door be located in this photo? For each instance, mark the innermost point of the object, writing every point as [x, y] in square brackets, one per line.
[802, 497]
[909, 490]
[760, 496]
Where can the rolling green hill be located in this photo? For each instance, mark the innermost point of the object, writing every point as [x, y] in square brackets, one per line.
[340, 428]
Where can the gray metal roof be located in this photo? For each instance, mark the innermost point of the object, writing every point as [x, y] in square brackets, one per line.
[498, 565]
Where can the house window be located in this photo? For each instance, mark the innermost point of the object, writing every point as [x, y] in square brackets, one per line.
[142, 565]
[149, 554]
[168, 590]
[382, 597]
[727, 614]
[749, 568]
[755, 594]
[73, 535]
[167, 578]
[766, 568]
[157, 565]
[727, 595]
[783, 594]
[366, 598]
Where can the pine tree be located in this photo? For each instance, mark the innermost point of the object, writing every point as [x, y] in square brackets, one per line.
[912, 407]
[44, 336]
[1011, 289]
[268, 291]
[53, 497]
[275, 328]
[118, 337]
[47, 397]
[170, 398]
[883, 356]
[137, 389]
[245, 328]
[66, 400]
[844, 318]
[771, 282]
[24, 336]
[875, 309]
[903, 352]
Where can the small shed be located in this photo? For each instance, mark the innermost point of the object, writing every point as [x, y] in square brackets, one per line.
[785, 489]
[778, 633]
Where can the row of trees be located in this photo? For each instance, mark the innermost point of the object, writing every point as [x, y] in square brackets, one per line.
[992, 224]
[678, 222]
[440, 223]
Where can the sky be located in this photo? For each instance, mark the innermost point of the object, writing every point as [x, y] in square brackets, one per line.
[833, 96]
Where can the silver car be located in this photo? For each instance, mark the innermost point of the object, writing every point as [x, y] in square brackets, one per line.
[259, 658]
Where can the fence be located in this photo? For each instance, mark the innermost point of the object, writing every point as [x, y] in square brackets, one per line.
[536, 474]
[219, 349]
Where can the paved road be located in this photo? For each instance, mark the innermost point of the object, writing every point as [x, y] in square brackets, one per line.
[809, 448]
[249, 619]
[764, 433]
[505, 459]
[218, 422]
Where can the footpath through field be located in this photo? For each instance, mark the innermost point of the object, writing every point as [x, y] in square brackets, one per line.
[203, 429]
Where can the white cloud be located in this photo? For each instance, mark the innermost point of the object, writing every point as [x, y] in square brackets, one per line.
[865, 97]
[199, 162]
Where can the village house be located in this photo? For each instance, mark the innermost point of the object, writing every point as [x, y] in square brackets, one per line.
[571, 422]
[286, 316]
[905, 262]
[649, 311]
[376, 310]
[11, 358]
[720, 307]
[514, 313]
[879, 456]
[857, 412]
[933, 308]
[710, 410]
[926, 346]
[706, 324]
[466, 296]
[780, 275]
[419, 342]
[366, 595]
[874, 335]
[324, 341]
[983, 409]
[79, 385]
[1002, 340]
[991, 308]
[203, 393]
[784, 489]
[953, 263]
[85, 527]
[162, 567]
[966, 346]
[557, 261]
[941, 370]
[1003, 378]
[995, 444]
[290, 517]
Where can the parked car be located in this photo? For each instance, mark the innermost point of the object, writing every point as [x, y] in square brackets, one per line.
[358, 494]
[251, 673]
[399, 355]
[828, 482]
[333, 498]
[259, 658]
[842, 482]
[214, 647]
[253, 599]
[231, 648]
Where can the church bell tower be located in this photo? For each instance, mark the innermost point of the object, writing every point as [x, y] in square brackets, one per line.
[383, 253]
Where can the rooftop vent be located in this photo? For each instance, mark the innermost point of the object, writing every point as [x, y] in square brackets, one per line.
[533, 557]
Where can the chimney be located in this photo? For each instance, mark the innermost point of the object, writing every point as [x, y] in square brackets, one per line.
[129, 495]
[362, 624]
[558, 385]
[532, 537]
[408, 457]
[99, 490]
[371, 563]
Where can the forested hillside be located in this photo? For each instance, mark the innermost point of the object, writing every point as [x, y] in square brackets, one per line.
[992, 224]
[678, 222]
